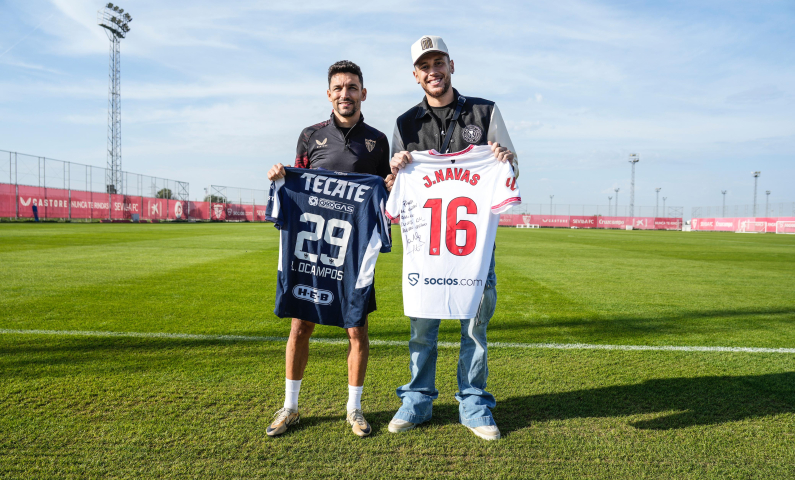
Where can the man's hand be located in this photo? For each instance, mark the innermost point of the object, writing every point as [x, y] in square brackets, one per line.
[399, 160]
[389, 182]
[501, 153]
[276, 172]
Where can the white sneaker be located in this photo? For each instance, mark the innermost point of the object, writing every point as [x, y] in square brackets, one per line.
[486, 432]
[397, 425]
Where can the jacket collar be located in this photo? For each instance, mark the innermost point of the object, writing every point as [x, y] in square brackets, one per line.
[334, 122]
[424, 109]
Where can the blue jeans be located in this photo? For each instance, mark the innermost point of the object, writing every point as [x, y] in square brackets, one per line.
[474, 402]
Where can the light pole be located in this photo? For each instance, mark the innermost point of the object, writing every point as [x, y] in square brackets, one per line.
[633, 159]
[550, 203]
[723, 211]
[664, 199]
[657, 204]
[767, 201]
[756, 179]
[609, 205]
[116, 25]
[616, 209]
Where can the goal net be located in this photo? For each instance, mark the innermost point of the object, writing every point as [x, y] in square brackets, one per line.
[752, 227]
[785, 226]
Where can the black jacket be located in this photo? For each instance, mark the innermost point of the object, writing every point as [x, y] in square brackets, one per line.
[479, 123]
[363, 150]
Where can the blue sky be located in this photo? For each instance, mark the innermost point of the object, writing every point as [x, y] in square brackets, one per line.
[217, 92]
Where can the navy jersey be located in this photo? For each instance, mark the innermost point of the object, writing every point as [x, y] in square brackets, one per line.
[332, 227]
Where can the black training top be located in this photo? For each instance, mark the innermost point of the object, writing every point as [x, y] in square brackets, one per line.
[359, 149]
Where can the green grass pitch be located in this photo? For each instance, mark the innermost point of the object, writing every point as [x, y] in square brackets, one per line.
[197, 407]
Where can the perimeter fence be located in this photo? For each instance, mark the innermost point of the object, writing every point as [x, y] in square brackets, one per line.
[779, 209]
[596, 210]
[234, 204]
[74, 191]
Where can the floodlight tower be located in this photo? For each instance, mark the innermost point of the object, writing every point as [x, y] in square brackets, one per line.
[616, 190]
[550, 203]
[767, 201]
[723, 211]
[116, 24]
[756, 179]
[664, 199]
[609, 205]
[657, 205]
[633, 159]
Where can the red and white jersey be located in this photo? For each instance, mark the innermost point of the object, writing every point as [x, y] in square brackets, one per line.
[448, 206]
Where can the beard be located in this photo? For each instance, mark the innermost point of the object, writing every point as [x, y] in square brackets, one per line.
[445, 88]
[348, 113]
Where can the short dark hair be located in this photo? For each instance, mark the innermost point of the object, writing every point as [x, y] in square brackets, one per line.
[345, 66]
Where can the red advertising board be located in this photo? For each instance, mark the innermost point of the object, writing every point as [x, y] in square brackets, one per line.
[154, 209]
[200, 210]
[583, 222]
[259, 213]
[88, 205]
[124, 206]
[239, 213]
[218, 212]
[8, 200]
[613, 222]
[667, 223]
[550, 220]
[51, 202]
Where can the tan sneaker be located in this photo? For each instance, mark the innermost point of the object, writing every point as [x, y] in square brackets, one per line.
[397, 425]
[283, 419]
[486, 432]
[359, 424]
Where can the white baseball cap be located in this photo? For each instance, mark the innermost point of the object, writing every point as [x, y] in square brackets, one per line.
[427, 44]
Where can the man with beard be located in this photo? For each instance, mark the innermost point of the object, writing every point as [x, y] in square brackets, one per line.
[448, 122]
[343, 143]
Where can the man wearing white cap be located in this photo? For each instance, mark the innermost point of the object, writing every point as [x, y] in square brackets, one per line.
[446, 121]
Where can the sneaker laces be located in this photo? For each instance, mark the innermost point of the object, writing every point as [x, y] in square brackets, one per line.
[358, 417]
[281, 415]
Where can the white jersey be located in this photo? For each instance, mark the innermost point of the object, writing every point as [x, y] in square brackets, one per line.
[448, 206]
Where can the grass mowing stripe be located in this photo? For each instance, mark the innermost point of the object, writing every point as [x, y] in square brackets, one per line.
[395, 343]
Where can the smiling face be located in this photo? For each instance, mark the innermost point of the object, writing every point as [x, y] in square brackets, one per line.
[433, 72]
[346, 94]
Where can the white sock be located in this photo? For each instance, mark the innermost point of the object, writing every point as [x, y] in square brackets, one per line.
[291, 389]
[354, 397]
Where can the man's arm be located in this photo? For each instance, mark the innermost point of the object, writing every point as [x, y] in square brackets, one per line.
[498, 133]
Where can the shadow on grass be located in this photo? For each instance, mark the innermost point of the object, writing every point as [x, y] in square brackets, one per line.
[682, 402]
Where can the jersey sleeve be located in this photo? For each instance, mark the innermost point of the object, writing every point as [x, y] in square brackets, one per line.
[382, 221]
[506, 191]
[392, 209]
[273, 212]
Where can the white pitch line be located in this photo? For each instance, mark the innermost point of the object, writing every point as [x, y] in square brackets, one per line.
[395, 343]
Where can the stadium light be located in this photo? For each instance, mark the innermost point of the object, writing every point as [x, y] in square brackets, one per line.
[723, 212]
[657, 205]
[609, 205]
[116, 28]
[767, 201]
[756, 179]
[633, 159]
[616, 190]
[664, 199]
[550, 203]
